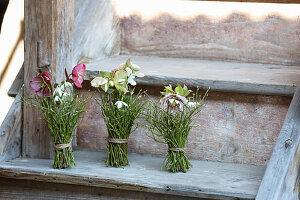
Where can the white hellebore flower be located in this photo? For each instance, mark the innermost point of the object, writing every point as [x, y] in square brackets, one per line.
[119, 104]
[98, 81]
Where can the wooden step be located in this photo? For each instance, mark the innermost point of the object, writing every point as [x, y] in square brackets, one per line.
[218, 75]
[212, 180]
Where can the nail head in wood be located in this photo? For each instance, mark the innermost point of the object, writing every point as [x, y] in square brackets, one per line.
[288, 143]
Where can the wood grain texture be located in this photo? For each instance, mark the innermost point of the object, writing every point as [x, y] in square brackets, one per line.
[259, 1]
[235, 128]
[220, 76]
[17, 84]
[97, 31]
[26, 189]
[237, 35]
[281, 180]
[50, 22]
[211, 180]
[10, 132]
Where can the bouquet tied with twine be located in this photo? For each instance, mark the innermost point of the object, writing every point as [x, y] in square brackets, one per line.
[171, 121]
[120, 108]
[61, 109]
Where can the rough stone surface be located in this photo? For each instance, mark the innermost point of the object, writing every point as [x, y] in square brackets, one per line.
[235, 128]
[271, 38]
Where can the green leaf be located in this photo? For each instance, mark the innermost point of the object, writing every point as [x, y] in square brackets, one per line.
[128, 63]
[103, 74]
[169, 89]
[110, 91]
[179, 90]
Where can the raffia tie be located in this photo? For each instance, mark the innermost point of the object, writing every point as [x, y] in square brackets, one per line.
[62, 146]
[117, 141]
[176, 149]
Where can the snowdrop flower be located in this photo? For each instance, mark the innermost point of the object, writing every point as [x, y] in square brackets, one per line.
[128, 70]
[62, 92]
[139, 74]
[119, 104]
[111, 83]
[131, 81]
[135, 67]
[57, 91]
[193, 104]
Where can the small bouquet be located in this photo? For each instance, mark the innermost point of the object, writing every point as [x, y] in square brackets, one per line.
[61, 109]
[119, 108]
[171, 121]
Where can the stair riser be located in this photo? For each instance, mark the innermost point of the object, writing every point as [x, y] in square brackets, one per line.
[238, 128]
[235, 36]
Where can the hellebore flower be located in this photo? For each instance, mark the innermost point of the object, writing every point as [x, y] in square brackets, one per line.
[100, 81]
[41, 84]
[77, 74]
[173, 102]
[119, 104]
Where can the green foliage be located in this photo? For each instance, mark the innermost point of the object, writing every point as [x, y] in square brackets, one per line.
[120, 122]
[62, 119]
[173, 128]
[182, 91]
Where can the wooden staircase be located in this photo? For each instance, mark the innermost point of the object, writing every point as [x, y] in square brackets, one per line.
[253, 79]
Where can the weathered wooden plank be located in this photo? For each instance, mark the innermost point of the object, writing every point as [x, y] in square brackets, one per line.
[48, 46]
[17, 84]
[26, 189]
[97, 30]
[258, 1]
[219, 76]
[281, 180]
[10, 132]
[205, 180]
[233, 31]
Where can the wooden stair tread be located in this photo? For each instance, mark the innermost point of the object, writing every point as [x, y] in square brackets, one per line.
[206, 179]
[219, 75]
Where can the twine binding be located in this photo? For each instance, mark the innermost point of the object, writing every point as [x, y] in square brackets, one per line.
[117, 141]
[177, 149]
[62, 146]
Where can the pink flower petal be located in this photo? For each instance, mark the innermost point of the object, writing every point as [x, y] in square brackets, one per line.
[77, 74]
[35, 83]
[47, 76]
[77, 83]
[39, 93]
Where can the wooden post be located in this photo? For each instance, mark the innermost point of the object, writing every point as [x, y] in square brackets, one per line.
[48, 46]
[281, 179]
